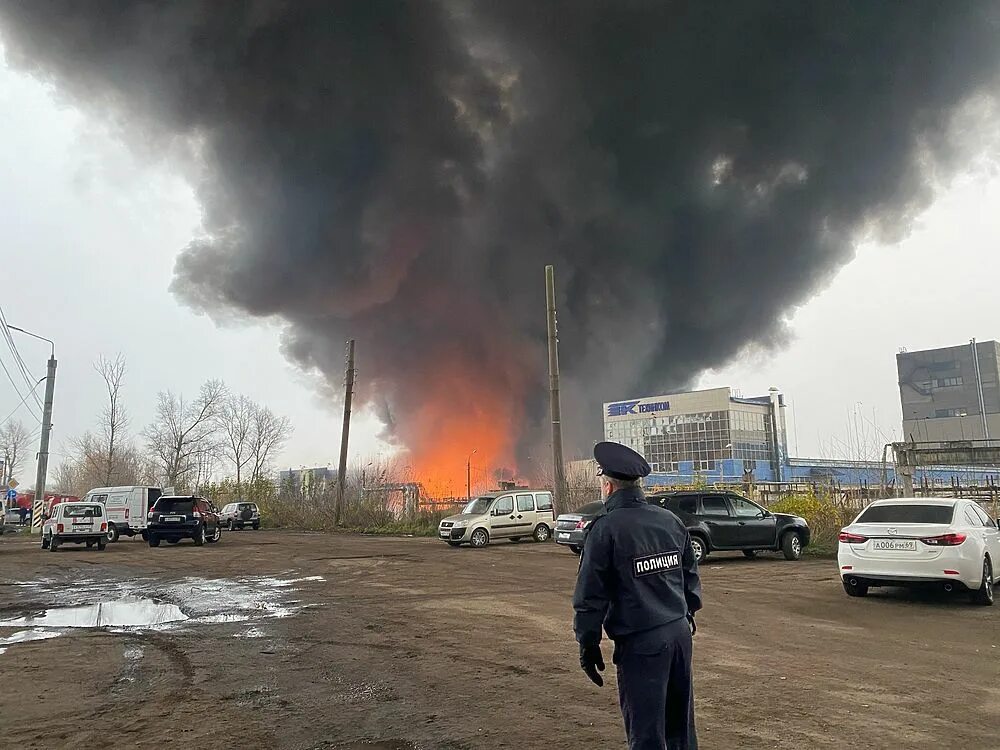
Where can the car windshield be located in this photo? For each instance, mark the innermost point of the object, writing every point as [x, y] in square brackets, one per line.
[478, 506]
[909, 513]
[82, 511]
[174, 505]
[247, 506]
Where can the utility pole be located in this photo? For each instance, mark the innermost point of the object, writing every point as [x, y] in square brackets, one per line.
[43, 447]
[979, 389]
[468, 474]
[555, 411]
[345, 434]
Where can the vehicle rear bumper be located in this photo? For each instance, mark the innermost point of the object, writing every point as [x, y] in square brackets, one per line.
[969, 571]
[79, 538]
[167, 530]
[572, 538]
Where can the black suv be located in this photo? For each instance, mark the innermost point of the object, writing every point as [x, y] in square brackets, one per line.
[722, 520]
[176, 517]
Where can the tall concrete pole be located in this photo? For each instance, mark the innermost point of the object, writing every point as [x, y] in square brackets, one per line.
[555, 410]
[43, 447]
[345, 434]
[979, 389]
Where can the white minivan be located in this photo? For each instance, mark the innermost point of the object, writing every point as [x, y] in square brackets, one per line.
[511, 514]
[126, 508]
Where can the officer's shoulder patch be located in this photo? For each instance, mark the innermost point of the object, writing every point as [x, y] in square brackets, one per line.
[661, 562]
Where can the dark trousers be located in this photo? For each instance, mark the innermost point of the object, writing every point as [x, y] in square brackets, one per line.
[655, 690]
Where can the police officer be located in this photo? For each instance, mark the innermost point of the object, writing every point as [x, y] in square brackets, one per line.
[639, 580]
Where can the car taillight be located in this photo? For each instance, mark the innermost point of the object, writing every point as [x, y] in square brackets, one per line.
[945, 540]
[196, 514]
[104, 527]
[149, 516]
[59, 528]
[848, 538]
[581, 524]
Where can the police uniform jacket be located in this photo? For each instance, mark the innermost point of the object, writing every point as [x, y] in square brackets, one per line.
[637, 571]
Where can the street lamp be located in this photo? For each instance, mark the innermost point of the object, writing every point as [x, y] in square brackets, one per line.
[34, 335]
[43, 444]
[468, 474]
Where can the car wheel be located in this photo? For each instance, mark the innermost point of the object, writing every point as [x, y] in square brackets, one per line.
[89, 545]
[256, 526]
[45, 542]
[576, 549]
[699, 548]
[199, 535]
[750, 554]
[53, 543]
[479, 538]
[216, 535]
[857, 588]
[145, 536]
[153, 540]
[232, 526]
[112, 533]
[984, 595]
[791, 545]
[102, 544]
[542, 533]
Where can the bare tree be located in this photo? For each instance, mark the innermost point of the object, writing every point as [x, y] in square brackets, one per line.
[267, 437]
[114, 418]
[237, 419]
[14, 439]
[183, 431]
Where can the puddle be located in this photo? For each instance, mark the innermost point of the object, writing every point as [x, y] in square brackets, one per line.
[124, 613]
[24, 636]
[150, 604]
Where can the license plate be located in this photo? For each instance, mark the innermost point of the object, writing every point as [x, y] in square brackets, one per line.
[894, 545]
[173, 519]
[562, 536]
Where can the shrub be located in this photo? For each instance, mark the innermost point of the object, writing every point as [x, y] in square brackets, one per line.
[826, 517]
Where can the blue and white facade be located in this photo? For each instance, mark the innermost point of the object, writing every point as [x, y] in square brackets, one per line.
[708, 433]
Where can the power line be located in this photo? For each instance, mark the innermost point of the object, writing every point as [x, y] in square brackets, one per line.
[29, 378]
[23, 399]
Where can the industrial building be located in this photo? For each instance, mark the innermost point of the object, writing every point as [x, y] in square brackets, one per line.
[709, 432]
[951, 393]
[719, 436]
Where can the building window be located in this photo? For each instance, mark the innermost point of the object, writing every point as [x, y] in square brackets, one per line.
[959, 412]
[948, 382]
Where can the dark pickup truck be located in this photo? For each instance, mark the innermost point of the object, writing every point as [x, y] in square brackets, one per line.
[726, 521]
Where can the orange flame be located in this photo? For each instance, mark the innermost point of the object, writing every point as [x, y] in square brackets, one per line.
[458, 423]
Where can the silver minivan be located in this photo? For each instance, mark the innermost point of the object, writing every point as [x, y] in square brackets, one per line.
[510, 514]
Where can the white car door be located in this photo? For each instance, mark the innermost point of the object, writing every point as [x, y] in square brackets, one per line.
[991, 536]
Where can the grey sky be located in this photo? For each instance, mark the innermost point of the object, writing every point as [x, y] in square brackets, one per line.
[102, 227]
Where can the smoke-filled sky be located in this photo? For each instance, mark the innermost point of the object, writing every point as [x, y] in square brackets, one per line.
[400, 173]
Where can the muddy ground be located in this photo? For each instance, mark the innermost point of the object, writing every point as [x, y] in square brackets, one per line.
[312, 641]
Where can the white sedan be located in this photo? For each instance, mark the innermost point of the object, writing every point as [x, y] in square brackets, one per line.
[951, 542]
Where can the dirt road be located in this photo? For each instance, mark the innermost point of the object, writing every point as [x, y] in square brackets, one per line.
[311, 641]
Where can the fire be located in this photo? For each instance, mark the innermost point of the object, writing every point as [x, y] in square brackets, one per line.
[459, 422]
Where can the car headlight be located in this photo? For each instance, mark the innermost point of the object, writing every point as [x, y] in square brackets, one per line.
[460, 524]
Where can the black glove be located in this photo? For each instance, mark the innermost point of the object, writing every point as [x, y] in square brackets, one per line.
[592, 660]
[694, 628]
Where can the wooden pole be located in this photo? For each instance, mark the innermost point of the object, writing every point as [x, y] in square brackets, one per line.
[555, 411]
[345, 434]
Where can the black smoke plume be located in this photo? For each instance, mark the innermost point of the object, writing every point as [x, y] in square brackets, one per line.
[400, 171]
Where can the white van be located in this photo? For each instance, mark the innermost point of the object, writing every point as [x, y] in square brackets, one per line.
[511, 514]
[126, 508]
